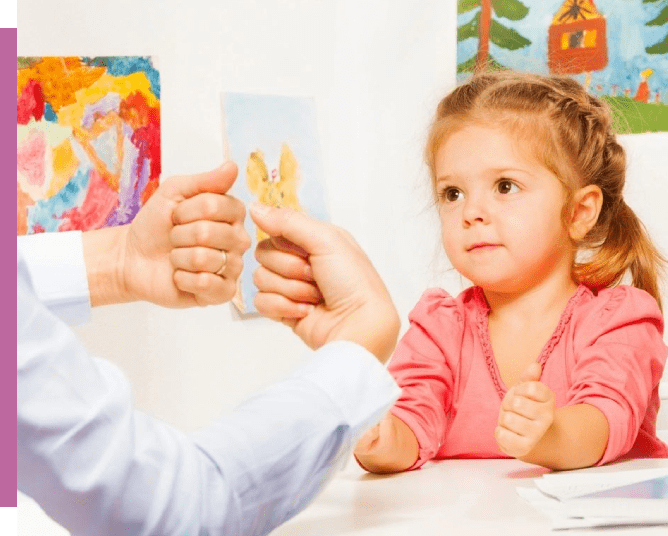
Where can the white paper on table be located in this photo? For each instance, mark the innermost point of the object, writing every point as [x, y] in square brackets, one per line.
[591, 522]
[650, 510]
[573, 514]
[570, 485]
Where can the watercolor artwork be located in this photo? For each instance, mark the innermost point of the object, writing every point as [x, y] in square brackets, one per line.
[618, 49]
[88, 141]
[274, 141]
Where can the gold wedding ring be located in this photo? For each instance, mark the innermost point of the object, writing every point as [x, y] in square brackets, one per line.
[222, 266]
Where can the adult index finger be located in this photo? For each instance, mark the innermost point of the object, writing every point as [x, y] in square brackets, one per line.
[313, 236]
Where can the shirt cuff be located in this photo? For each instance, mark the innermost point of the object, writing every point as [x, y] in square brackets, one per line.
[364, 395]
[58, 273]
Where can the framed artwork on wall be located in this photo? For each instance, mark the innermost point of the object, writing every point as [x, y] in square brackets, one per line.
[88, 141]
[618, 49]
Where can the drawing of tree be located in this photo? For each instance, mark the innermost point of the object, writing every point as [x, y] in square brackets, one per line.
[660, 20]
[486, 28]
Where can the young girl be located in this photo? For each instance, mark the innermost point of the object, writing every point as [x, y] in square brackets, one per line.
[547, 358]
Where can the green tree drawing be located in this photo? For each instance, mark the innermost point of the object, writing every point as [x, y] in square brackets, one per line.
[484, 26]
[660, 20]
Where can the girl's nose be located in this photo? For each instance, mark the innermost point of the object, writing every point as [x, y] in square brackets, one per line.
[475, 211]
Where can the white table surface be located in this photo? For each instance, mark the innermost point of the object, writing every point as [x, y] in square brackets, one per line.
[450, 497]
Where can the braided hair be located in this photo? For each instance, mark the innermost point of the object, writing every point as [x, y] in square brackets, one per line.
[571, 133]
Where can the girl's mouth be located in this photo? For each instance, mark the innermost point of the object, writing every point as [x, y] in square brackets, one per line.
[483, 246]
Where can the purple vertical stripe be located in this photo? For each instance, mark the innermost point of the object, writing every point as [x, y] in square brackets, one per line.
[8, 227]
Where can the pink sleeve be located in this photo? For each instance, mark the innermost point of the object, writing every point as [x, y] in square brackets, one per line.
[620, 364]
[421, 367]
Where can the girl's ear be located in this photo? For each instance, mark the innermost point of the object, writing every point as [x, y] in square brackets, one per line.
[586, 205]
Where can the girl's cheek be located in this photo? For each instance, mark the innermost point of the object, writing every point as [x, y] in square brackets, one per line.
[449, 244]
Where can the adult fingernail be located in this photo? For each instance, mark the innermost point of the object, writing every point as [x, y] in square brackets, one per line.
[259, 208]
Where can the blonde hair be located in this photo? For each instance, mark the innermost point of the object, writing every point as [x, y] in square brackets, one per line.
[570, 132]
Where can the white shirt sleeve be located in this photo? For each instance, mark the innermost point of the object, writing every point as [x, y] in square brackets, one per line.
[99, 467]
[55, 262]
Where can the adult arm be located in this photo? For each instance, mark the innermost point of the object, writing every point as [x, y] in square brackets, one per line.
[158, 258]
[57, 270]
[97, 466]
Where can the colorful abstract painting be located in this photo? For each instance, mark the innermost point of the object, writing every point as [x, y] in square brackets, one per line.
[88, 141]
[274, 141]
[618, 49]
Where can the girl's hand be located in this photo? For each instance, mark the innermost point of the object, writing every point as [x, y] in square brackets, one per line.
[527, 412]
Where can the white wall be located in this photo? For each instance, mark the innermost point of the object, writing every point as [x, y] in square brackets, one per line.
[376, 69]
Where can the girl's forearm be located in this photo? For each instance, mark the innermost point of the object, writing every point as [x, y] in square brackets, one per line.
[391, 449]
[577, 438]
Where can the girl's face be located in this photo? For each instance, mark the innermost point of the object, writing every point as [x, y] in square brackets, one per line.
[500, 211]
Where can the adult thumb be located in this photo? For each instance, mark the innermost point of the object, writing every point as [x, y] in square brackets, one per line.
[217, 181]
[531, 373]
[300, 229]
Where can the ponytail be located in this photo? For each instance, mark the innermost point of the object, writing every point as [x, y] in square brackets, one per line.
[626, 246]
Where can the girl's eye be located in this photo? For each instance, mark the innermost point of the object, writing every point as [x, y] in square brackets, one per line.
[450, 195]
[505, 186]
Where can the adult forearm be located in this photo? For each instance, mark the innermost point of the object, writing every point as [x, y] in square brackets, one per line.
[577, 438]
[97, 466]
[378, 336]
[103, 254]
[279, 448]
